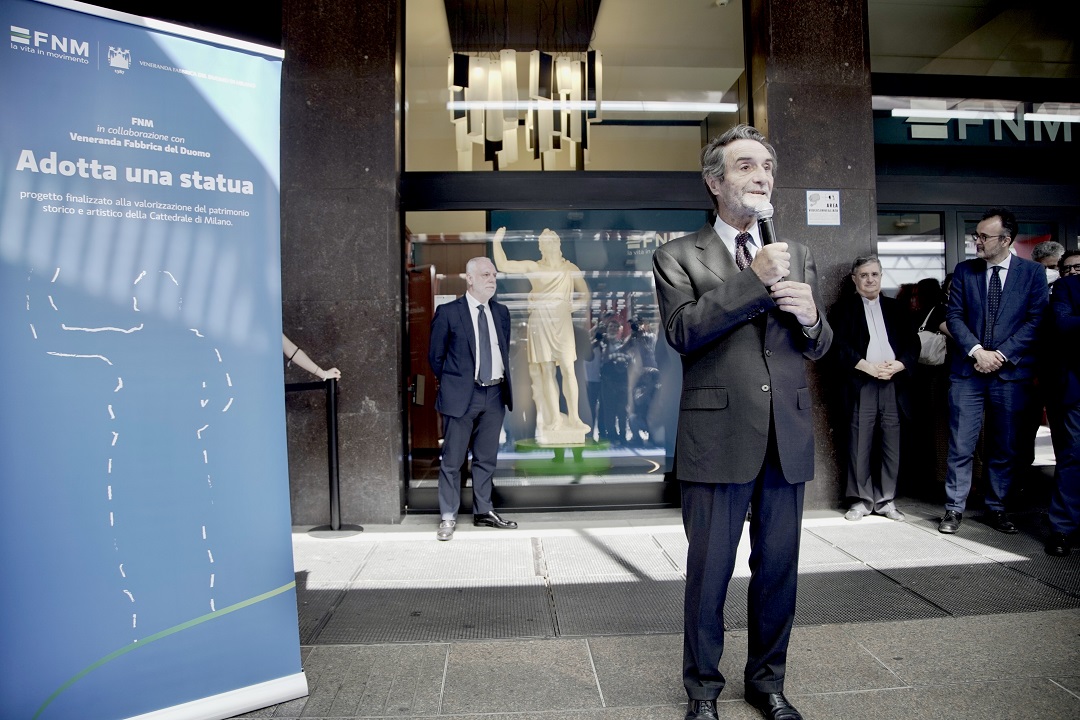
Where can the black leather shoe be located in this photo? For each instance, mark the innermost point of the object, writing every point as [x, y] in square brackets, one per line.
[701, 710]
[1000, 522]
[1057, 545]
[492, 519]
[950, 523]
[774, 706]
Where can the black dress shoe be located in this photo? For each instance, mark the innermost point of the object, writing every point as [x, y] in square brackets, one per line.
[774, 706]
[1000, 522]
[1057, 544]
[950, 523]
[701, 710]
[492, 519]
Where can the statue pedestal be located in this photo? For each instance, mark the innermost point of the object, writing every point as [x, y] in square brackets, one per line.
[560, 463]
[560, 437]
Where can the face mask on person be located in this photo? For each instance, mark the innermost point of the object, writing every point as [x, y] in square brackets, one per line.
[1051, 275]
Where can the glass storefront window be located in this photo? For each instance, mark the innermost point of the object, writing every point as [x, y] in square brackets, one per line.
[911, 246]
[668, 73]
[1030, 235]
[627, 377]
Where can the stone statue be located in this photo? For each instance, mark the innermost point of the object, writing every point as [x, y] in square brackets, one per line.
[555, 282]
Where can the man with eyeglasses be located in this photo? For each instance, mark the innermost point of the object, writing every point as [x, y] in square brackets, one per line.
[1070, 263]
[996, 303]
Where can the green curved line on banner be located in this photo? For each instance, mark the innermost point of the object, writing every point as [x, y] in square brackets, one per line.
[158, 636]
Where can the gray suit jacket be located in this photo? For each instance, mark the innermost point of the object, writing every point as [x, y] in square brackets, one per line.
[743, 360]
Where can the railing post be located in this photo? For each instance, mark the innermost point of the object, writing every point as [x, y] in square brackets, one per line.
[330, 387]
[332, 453]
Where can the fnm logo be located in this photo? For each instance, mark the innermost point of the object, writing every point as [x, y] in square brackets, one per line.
[46, 41]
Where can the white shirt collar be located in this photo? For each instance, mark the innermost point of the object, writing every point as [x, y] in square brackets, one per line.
[473, 302]
[728, 233]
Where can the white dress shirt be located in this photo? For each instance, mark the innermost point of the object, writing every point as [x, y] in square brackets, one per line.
[879, 349]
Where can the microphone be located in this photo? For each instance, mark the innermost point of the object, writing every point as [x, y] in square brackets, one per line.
[765, 223]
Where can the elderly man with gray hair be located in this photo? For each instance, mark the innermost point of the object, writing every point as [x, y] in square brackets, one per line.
[875, 349]
[1048, 253]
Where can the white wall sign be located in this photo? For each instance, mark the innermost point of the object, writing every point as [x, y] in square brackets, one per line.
[822, 207]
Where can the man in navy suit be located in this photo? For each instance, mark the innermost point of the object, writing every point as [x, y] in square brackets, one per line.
[470, 341]
[1063, 408]
[744, 316]
[995, 306]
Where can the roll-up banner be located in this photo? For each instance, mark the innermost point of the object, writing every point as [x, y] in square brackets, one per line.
[145, 528]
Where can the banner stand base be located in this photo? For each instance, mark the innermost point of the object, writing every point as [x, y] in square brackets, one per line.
[326, 532]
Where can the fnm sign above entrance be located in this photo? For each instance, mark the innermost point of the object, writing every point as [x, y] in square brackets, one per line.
[991, 124]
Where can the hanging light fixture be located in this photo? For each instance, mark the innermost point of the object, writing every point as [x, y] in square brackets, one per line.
[556, 108]
[553, 100]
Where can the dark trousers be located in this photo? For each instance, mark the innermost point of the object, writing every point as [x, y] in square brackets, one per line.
[477, 430]
[875, 413]
[1064, 511]
[1005, 404]
[713, 516]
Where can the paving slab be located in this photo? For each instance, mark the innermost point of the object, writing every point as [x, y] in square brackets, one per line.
[522, 676]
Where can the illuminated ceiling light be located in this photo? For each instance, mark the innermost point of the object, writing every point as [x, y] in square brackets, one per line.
[930, 113]
[626, 106]
[1052, 117]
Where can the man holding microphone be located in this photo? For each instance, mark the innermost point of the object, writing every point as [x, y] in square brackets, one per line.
[743, 314]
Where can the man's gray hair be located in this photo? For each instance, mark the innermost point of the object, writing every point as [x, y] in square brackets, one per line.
[712, 156]
[1047, 249]
[864, 260]
[470, 266]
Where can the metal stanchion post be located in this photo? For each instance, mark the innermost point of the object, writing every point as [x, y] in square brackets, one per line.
[335, 528]
[332, 453]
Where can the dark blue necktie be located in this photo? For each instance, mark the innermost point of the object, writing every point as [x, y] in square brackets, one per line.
[993, 302]
[485, 345]
[742, 252]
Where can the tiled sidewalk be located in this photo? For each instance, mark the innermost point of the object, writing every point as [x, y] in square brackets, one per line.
[578, 616]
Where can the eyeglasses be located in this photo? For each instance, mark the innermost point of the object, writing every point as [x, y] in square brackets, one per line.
[1070, 268]
[980, 237]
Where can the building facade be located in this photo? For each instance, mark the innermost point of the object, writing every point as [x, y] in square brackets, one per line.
[376, 213]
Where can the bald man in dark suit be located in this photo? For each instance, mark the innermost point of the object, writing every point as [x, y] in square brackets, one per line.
[744, 316]
[469, 354]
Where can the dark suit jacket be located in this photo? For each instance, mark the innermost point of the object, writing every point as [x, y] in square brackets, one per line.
[743, 360]
[851, 337]
[453, 354]
[1064, 377]
[1023, 302]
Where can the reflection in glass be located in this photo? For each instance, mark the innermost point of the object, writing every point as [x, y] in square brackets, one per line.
[558, 289]
[911, 247]
[585, 342]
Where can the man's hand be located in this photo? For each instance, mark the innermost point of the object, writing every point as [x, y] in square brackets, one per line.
[867, 367]
[883, 370]
[794, 297]
[888, 368]
[772, 263]
[987, 361]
